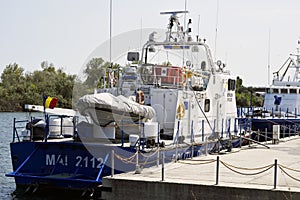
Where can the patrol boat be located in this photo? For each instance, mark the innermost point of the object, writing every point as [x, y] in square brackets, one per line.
[173, 101]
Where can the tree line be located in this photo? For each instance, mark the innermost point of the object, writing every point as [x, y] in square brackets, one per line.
[18, 88]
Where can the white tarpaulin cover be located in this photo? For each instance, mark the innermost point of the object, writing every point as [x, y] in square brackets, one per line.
[109, 102]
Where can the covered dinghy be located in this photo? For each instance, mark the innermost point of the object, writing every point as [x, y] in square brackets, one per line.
[104, 108]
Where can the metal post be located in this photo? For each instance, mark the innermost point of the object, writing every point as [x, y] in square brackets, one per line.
[144, 137]
[163, 167]
[206, 143]
[61, 125]
[14, 130]
[202, 130]
[122, 133]
[229, 128]
[222, 128]
[192, 151]
[279, 112]
[266, 134]
[289, 130]
[275, 173]
[192, 139]
[217, 171]
[158, 134]
[47, 127]
[258, 135]
[235, 129]
[177, 135]
[137, 166]
[112, 163]
[157, 161]
[192, 132]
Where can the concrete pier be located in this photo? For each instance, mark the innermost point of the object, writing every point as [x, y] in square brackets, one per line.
[246, 173]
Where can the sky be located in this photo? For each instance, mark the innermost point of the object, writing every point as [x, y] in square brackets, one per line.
[250, 34]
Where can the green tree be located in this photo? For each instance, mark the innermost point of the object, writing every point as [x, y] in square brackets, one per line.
[246, 95]
[95, 70]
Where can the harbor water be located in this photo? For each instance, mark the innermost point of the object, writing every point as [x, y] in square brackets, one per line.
[7, 185]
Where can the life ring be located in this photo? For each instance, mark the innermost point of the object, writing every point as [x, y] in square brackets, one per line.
[140, 97]
[180, 110]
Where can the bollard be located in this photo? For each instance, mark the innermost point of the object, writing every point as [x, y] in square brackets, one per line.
[112, 163]
[275, 173]
[217, 171]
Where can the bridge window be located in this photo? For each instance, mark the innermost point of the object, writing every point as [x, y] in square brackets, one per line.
[283, 91]
[293, 91]
[231, 84]
[206, 105]
[275, 90]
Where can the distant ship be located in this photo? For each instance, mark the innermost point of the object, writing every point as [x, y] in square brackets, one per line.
[281, 106]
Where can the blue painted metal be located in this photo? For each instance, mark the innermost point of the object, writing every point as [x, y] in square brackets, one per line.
[101, 169]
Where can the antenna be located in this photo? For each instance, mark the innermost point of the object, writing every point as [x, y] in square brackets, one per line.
[141, 33]
[110, 28]
[184, 14]
[269, 44]
[217, 22]
[198, 28]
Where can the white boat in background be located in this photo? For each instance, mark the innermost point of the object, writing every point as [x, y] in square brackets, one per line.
[281, 102]
[283, 94]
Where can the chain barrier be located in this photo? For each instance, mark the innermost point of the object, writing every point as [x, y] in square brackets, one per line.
[149, 156]
[266, 168]
[295, 170]
[127, 160]
[203, 162]
[244, 168]
[289, 175]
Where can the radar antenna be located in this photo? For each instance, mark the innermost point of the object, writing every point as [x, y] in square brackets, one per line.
[175, 31]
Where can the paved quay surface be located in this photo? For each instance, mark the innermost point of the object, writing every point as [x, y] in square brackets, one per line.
[247, 160]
